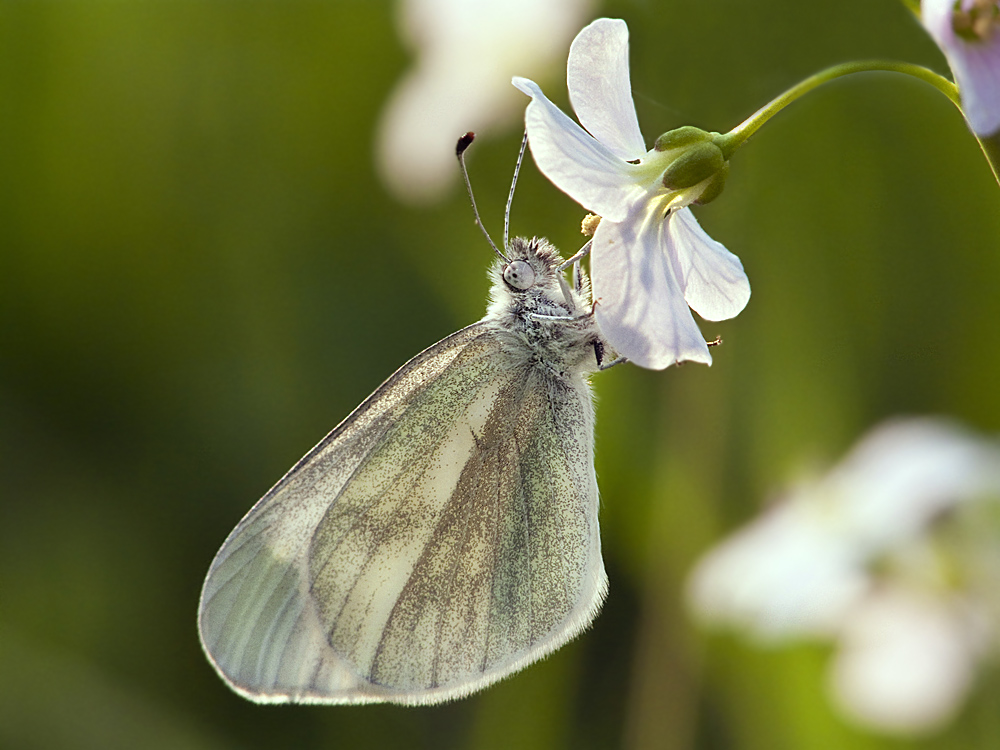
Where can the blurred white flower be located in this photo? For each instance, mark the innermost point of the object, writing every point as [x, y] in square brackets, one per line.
[650, 259]
[790, 573]
[906, 659]
[466, 51]
[968, 32]
[861, 556]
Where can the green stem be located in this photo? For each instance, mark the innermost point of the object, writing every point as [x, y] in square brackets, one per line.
[742, 132]
[739, 135]
[990, 145]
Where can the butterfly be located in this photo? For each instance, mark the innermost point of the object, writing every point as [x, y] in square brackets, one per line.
[445, 534]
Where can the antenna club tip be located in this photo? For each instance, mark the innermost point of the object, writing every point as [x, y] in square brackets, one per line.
[463, 143]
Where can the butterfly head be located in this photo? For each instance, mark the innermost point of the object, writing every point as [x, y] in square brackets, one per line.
[527, 280]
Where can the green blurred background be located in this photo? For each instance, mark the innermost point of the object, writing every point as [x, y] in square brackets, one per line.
[200, 275]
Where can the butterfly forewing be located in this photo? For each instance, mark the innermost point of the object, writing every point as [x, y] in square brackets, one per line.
[257, 618]
[372, 545]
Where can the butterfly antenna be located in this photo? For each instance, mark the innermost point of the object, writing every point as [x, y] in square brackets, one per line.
[510, 198]
[463, 143]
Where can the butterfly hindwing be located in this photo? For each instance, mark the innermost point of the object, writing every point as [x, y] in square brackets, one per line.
[505, 568]
[441, 537]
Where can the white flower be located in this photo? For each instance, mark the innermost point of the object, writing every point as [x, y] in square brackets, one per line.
[803, 564]
[906, 659]
[853, 557]
[650, 259]
[464, 53]
[968, 32]
[789, 573]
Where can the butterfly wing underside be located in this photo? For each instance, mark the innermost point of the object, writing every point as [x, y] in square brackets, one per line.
[443, 536]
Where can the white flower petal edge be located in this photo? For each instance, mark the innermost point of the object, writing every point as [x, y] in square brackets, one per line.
[713, 280]
[976, 65]
[600, 89]
[573, 160]
[640, 305]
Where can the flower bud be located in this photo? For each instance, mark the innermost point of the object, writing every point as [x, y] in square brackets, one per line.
[688, 135]
[696, 163]
[713, 189]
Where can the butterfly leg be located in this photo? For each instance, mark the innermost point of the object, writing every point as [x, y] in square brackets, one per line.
[582, 253]
[543, 316]
[567, 296]
[577, 275]
[599, 356]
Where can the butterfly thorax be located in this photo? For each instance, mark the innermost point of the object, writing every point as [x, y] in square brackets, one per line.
[547, 324]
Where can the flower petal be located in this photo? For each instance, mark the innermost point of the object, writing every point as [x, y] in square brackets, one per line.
[640, 307]
[786, 575]
[906, 473]
[600, 89]
[977, 73]
[712, 278]
[573, 160]
[906, 661]
[976, 66]
[461, 52]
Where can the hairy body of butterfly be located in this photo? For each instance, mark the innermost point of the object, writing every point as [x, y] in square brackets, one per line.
[442, 536]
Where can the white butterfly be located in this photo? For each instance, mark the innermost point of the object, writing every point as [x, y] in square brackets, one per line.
[441, 537]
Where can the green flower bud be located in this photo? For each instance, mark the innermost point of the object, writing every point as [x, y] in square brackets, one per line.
[697, 163]
[680, 137]
[714, 187]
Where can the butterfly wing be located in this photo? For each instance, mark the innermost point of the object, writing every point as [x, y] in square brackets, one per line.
[443, 536]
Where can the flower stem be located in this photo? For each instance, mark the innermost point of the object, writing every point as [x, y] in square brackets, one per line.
[739, 135]
[990, 145]
[742, 132]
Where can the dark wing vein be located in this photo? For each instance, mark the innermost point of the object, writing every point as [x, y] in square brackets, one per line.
[448, 591]
[496, 558]
[318, 571]
[522, 494]
[416, 403]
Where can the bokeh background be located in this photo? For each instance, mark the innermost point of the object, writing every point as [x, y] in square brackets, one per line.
[201, 274]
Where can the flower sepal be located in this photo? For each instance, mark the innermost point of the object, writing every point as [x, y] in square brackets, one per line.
[697, 164]
[682, 137]
[710, 189]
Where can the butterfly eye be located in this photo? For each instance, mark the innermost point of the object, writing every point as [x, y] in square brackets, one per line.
[519, 274]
